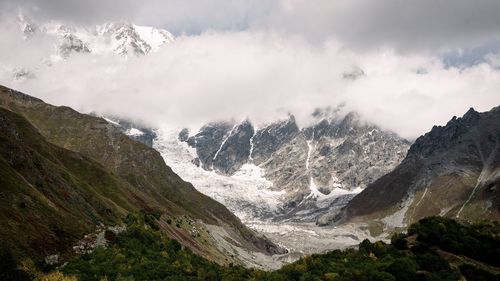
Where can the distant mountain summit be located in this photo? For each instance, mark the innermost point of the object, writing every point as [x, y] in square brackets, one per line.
[121, 38]
[452, 171]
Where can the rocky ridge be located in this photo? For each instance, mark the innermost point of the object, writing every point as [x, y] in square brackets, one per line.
[318, 167]
[453, 171]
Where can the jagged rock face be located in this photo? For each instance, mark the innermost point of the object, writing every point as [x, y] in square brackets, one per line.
[287, 170]
[452, 171]
[235, 149]
[271, 138]
[126, 37]
[222, 146]
[352, 154]
[208, 141]
[306, 164]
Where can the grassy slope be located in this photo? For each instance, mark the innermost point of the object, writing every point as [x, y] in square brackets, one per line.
[142, 178]
[50, 196]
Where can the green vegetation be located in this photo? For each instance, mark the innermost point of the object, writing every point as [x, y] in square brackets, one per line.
[481, 242]
[51, 196]
[143, 253]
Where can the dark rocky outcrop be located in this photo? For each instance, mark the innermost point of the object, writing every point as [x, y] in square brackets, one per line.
[184, 135]
[235, 149]
[208, 141]
[337, 151]
[448, 171]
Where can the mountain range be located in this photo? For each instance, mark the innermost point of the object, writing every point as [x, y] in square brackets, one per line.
[122, 39]
[316, 168]
[69, 178]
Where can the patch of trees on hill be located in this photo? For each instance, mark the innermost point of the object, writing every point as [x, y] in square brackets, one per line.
[435, 248]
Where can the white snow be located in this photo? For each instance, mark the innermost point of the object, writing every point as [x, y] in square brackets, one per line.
[134, 132]
[250, 197]
[226, 137]
[154, 37]
[247, 194]
[315, 193]
[250, 158]
[110, 121]
[119, 38]
[309, 152]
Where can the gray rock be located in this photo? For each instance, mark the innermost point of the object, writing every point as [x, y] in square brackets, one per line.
[448, 172]
[271, 138]
[235, 149]
[336, 152]
[184, 135]
[209, 140]
[70, 43]
[353, 74]
[286, 169]
[52, 259]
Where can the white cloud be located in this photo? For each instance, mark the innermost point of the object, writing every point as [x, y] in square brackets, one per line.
[263, 75]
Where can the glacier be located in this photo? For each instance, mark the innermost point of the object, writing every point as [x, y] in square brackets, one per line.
[251, 197]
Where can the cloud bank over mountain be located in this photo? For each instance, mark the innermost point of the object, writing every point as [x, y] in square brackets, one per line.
[265, 59]
[410, 25]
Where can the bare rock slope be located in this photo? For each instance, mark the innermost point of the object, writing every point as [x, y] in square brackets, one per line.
[453, 171]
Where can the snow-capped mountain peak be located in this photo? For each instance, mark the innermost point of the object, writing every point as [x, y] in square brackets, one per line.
[126, 38]
[115, 38]
[122, 38]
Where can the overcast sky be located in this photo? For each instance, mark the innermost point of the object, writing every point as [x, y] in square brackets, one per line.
[424, 60]
[422, 24]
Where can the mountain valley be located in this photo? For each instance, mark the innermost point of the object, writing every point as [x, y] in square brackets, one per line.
[104, 180]
[249, 141]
